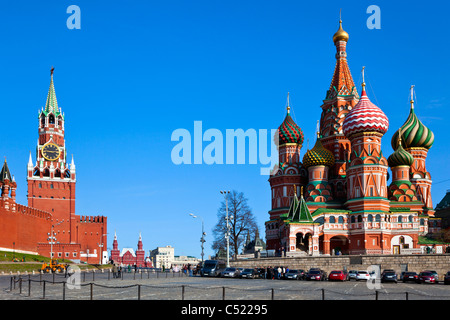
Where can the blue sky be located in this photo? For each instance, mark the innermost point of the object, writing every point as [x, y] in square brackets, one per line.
[138, 70]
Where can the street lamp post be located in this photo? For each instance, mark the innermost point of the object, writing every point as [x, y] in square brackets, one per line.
[202, 239]
[52, 238]
[227, 234]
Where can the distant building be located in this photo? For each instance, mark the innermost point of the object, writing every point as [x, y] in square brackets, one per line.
[163, 256]
[253, 246]
[128, 256]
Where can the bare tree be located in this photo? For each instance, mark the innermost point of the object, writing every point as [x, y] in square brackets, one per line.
[243, 222]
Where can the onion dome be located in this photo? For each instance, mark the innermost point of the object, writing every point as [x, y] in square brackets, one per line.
[414, 133]
[365, 117]
[340, 35]
[289, 131]
[400, 157]
[318, 156]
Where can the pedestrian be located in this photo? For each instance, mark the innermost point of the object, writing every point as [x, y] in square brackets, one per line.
[279, 270]
[114, 270]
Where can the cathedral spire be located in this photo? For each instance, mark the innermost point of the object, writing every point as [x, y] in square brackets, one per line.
[342, 82]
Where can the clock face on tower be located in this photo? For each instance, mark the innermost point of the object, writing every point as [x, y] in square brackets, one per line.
[51, 152]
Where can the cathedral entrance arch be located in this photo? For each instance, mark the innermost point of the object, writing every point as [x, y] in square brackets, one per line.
[339, 245]
[303, 242]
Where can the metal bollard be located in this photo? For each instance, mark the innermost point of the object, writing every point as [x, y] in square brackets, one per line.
[182, 292]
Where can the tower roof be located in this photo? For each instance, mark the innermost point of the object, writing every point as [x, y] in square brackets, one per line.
[340, 35]
[342, 82]
[51, 104]
[299, 211]
[400, 157]
[414, 133]
[289, 131]
[365, 117]
[5, 174]
[318, 155]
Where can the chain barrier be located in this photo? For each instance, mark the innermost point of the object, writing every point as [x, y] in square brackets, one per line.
[325, 293]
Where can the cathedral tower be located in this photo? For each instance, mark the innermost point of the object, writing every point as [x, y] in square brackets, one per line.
[365, 125]
[341, 97]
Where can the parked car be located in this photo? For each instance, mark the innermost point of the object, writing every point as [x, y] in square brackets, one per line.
[316, 274]
[447, 278]
[338, 275]
[352, 274]
[427, 277]
[436, 277]
[295, 274]
[410, 276]
[363, 275]
[230, 273]
[389, 276]
[249, 273]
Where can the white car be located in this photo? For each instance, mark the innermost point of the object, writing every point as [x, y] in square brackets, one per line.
[363, 275]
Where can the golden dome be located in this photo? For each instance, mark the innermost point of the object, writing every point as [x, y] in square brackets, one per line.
[340, 35]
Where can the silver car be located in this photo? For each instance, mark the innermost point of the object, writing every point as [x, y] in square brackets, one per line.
[230, 273]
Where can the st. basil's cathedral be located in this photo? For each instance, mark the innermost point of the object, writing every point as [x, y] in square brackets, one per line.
[336, 199]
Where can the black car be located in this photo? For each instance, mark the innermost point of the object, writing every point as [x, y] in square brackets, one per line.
[447, 278]
[316, 274]
[410, 276]
[294, 274]
[249, 273]
[389, 276]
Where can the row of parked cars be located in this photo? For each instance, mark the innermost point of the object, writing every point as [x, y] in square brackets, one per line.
[428, 276]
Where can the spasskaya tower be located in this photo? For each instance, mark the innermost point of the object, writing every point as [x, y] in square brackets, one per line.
[51, 188]
[51, 181]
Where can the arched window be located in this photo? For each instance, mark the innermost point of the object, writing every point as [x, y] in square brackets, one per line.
[410, 218]
[332, 219]
[399, 219]
[378, 218]
[352, 219]
[370, 218]
[422, 222]
[359, 218]
[341, 219]
[51, 119]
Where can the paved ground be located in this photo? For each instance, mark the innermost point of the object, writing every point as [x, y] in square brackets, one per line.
[102, 286]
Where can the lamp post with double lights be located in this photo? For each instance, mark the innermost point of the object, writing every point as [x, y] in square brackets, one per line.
[52, 239]
[227, 219]
[202, 239]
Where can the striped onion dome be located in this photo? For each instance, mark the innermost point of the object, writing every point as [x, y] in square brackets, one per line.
[365, 117]
[289, 131]
[400, 157]
[318, 156]
[414, 133]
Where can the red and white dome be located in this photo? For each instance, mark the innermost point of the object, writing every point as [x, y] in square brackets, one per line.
[365, 117]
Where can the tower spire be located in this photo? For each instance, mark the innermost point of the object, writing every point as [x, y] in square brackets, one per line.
[412, 97]
[51, 105]
[288, 107]
[363, 81]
